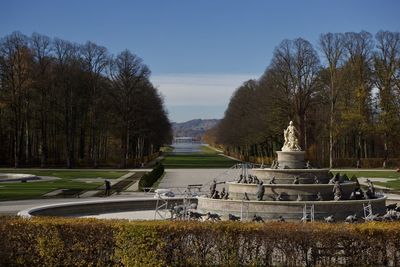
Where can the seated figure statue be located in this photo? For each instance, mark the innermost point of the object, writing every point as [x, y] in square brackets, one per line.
[291, 141]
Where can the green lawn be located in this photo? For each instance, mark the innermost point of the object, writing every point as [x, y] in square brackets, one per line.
[395, 184]
[13, 191]
[69, 174]
[206, 158]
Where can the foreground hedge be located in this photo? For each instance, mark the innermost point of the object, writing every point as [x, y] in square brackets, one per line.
[89, 242]
[150, 178]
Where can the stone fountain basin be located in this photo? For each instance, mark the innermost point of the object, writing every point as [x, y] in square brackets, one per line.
[98, 206]
[290, 210]
[306, 176]
[289, 191]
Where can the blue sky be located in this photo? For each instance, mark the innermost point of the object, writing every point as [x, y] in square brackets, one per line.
[199, 52]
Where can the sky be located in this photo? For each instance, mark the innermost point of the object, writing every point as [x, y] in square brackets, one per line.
[199, 52]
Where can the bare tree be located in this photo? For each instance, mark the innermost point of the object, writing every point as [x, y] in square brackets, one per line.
[128, 75]
[15, 65]
[295, 67]
[357, 113]
[387, 72]
[66, 55]
[41, 47]
[332, 47]
[96, 59]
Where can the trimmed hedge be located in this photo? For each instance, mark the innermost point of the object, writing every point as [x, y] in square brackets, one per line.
[56, 242]
[366, 162]
[150, 178]
[90, 242]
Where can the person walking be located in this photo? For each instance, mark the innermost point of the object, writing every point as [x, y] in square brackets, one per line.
[108, 188]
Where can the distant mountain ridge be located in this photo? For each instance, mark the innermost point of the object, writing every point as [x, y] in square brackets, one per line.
[193, 128]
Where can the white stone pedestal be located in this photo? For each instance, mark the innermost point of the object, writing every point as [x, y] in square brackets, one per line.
[291, 159]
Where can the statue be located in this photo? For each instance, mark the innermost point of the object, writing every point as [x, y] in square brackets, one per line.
[257, 218]
[330, 219]
[272, 181]
[280, 219]
[337, 191]
[319, 197]
[351, 218]
[357, 192]
[240, 179]
[296, 180]
[279, 197]
[256, 180]
[234, 218]
[213, 217]
[291, 141]
[223, 192]
[371, 190]
[260, 191]
[215, 195]
[308, 165]
[213, 186]
[246, 197]
[273, 164]
[195, 215]
[276, 165]
[226, 195]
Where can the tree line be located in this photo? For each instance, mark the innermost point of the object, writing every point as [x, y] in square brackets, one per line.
[343, 95]
[68, 104]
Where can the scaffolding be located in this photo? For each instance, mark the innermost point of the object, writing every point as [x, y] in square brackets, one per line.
[161, 208]
[308, 212]
[163, 203]
[367, 210]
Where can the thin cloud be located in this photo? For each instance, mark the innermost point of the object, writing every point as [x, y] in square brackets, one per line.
[199, 89]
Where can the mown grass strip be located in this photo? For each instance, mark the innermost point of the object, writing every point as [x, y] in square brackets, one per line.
[206, 158]
[68, 181]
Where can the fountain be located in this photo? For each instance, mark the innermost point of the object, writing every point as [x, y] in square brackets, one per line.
[292, 190]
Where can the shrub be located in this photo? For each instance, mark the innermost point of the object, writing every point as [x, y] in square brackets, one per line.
[89, 242]
[345, 177]
[56, 242]
[150, 178]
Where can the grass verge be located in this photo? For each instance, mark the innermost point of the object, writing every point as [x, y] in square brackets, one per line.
[393, 184]
[68, 180]
[206, 158]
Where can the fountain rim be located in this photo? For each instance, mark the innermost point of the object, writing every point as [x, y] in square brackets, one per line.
[292, 170]
[296, 203]
[30, 212]
[347, 183]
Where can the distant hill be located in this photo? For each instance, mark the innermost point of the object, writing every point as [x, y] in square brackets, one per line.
[193, 128]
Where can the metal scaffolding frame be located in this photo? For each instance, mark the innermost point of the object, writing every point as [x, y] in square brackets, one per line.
[367, 208]
[308, 211]
[162, 204]
[231, 174]
[161, 207]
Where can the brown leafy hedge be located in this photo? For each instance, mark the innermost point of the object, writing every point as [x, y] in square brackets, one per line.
[148, 179]
[90, 242]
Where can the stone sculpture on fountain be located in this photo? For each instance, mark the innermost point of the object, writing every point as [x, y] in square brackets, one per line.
[291, 141]
[293, 187]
